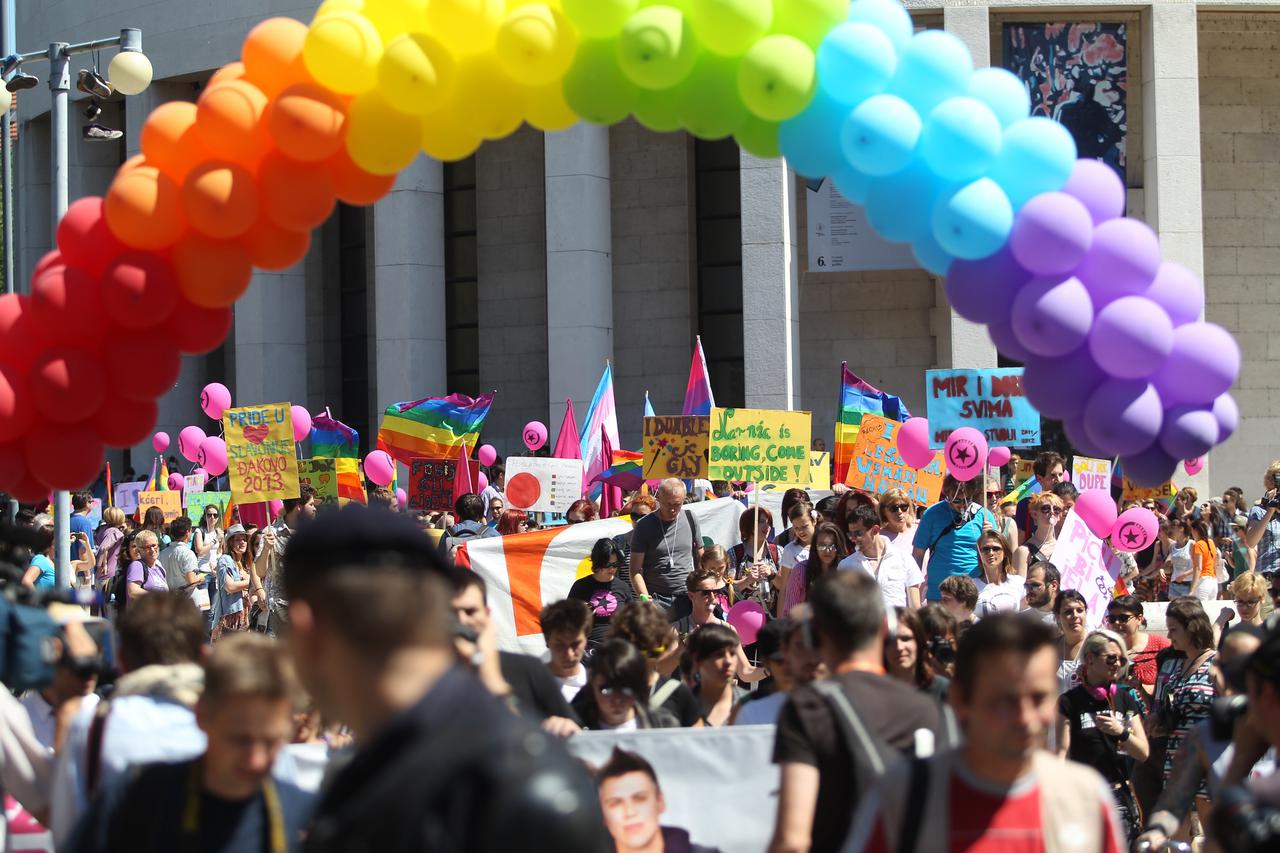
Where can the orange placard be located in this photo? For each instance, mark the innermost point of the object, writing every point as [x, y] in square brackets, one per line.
[876, 466]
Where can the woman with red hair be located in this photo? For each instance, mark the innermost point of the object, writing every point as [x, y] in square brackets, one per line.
[513, 521]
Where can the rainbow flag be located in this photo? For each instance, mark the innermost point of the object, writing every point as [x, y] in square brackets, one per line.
[625, 472]
[1029, 486]
[435, 427]
[698, 399]
[350, 482]
[332, 439]
[162, 482]
[857, 398]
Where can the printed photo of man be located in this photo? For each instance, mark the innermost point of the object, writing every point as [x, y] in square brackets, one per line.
[632, 803]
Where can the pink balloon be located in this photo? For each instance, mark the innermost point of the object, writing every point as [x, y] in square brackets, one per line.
[747, 618]
[402, 498]
[301, 423]
[379, 467]
[212, 456]
[176, 482]
[965, 453]
[215, 399]
[999, 456]
[486, 454]
[1134, 530]
[1193, 466]
[534, 434]
[189, 441]
[482, 483]
[160, 442]
[913, 442]
[1098, 511]
[277, 507]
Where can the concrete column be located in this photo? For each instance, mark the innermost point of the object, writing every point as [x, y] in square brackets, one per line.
[770, 284]
[579, 265]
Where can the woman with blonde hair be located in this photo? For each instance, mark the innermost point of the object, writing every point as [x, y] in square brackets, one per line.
[1249, 591]
[1003, 590]
[898, 522]
[109, 537]
[1047, 509]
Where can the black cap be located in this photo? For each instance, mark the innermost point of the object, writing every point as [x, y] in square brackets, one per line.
[356, 536]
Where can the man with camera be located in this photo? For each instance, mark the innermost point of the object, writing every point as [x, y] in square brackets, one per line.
[1263, 531]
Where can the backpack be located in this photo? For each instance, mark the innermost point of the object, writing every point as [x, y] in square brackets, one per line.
[118, 588]
[456, 535]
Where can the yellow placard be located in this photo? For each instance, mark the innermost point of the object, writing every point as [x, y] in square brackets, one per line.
[1022, 470]
[170, 502]
[759, 446]
[819, 471]
[261, 456]
[676, 447]
[1134, 492]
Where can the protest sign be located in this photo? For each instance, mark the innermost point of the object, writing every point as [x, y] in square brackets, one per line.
[261, 456]
[1087, 564]
[1134, 492]
[431, 483]
[1091, 475]
[759, 446]
[170, 502]
[876, 466]
[191, 484]
[1023, 469]
[819, 471]
[990, 401]
[537, 484]
[676, 447]
[337, 481]
[196, 504]
[126, 496]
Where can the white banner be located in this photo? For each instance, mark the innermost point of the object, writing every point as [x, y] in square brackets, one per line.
[1087, 565]
[537, 484]
[718, 786]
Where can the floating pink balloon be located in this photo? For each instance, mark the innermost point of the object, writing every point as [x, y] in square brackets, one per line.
[999, 456]
[189, 441]
[482, 483]
[160, 442]
[965, 453]
[1098, 511]
[176, 482]
[301, 423]
[747, 618]
[486, 454]
[402, 498]
[212, 456]
[1193, 466]
[534, 434]
[379, 467]
[913, 443]
[1134, 530]
[215, 399]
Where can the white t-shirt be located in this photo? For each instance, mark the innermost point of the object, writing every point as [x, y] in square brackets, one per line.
[40, 713]
[629, 726]
[570, 686]
[996, 598]
[793, 553]
[895, 574]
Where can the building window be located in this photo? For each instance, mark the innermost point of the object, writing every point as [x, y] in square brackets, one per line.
[462, 302]
[353, 314]
[719, 259]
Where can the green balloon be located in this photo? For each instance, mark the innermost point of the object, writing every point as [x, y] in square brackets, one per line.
[730, 27]
[685, 6]
[658, 110]
[808, 20]
[709, 105]
[599, 18]
[595, 87]
[758, 137]
[777, 77]
[657, 48]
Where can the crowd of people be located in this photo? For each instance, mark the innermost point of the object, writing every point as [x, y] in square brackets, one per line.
[927, 675]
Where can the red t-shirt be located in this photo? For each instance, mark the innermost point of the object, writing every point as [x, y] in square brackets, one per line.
[1144, 662]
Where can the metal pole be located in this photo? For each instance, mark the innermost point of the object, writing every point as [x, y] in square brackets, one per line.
[9, 44]
[60, 85]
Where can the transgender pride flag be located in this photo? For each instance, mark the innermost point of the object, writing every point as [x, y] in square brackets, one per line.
[602, 415]
[698, 399]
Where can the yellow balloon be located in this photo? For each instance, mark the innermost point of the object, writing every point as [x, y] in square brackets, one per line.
[416, 74]
[381, 139]
[536, 44]
[444, 139]
[548, 110]
[486, 100]
[342, 52]
[328, 7]
[467, 26]
[396, 17]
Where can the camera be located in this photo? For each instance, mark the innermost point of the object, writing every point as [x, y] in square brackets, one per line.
[1241, 824]
[1273, 502]
[1223, 714]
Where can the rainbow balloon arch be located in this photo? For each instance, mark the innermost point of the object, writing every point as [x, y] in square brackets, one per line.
[1032, 241]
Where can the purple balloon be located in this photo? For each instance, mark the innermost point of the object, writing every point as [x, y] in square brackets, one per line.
[1099, 188]
[1188, 431]
[1122, 261]
[1178, 291]
[1150, 468]
[1204, 362]
[982, 291]
[1131, 337]
[1228, 416]
[1051, 234]
[1060, 387]
[1124, 416]
[1052, 317]
[1002, 336]
[1079, 438]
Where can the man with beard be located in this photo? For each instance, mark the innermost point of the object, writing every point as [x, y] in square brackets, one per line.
[1041, 591]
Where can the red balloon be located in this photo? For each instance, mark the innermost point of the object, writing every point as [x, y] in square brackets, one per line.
[198, 330]
[68, 384]
[65, 456]
[67, 303]
[49, 259]
[17, 408]
[84, 238]
[124, 423]
[21, 336]
[143, 367]
[13, 464]
[31, 491]
[139, 290]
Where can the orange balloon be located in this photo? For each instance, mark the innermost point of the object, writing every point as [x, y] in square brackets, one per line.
[211, 273]
[229, 121]
[170, 141]
[144, 209]
[297, 196]
[271, 247]
[307, 122]
[230, 71]
[353, 184]
[132, 163]
[272, 54]
[220, 199]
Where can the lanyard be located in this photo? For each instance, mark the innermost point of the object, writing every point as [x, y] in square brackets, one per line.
[271, 801]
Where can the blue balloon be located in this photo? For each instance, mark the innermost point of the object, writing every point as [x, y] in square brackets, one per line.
[974, 221]
[889, 16]
[900, 206]
[934, 66]
[852, 184]
[855, 61]
[930, 255]
[1037, 156]
[1002, 92]
[811, 141]
[960, 139]
[880, 135]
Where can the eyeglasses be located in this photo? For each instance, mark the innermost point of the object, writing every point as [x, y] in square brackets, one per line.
[1119, 618]
[617, 692]
[1112, 660]
[613, 564]
[826, 546]
[898, 507]
[1049, 510]
[1248, 602]
[991, 549]
[152, 547]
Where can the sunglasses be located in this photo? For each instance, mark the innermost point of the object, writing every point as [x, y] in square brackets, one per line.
[618, 692]
[826, 546]
[718, 589]
[1119, 618]
[613, 564]
[210, 515]
[1112, 660]
[991, 549]
[1049, 510]
[898, 507]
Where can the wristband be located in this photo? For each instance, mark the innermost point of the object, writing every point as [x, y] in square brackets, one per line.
[645, 598]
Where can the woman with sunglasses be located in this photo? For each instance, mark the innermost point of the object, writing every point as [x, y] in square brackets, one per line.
[1179, 565]
[602, 590]
[828, 549]
[1125, 617]
[1003, 591]
[614, 697]
[1100, 722]
[753, 563]
[1047, 510]
[207, 540]
[230, 607]
[898, 522]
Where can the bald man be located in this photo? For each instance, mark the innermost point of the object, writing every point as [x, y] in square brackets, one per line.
[665, 547]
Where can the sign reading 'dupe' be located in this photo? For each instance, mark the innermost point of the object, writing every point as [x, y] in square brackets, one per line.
[990, 401]
[261, 456]
[1091, 475]
[759, 446]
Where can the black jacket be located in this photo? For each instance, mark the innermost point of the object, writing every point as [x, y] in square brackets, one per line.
[459, 772]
